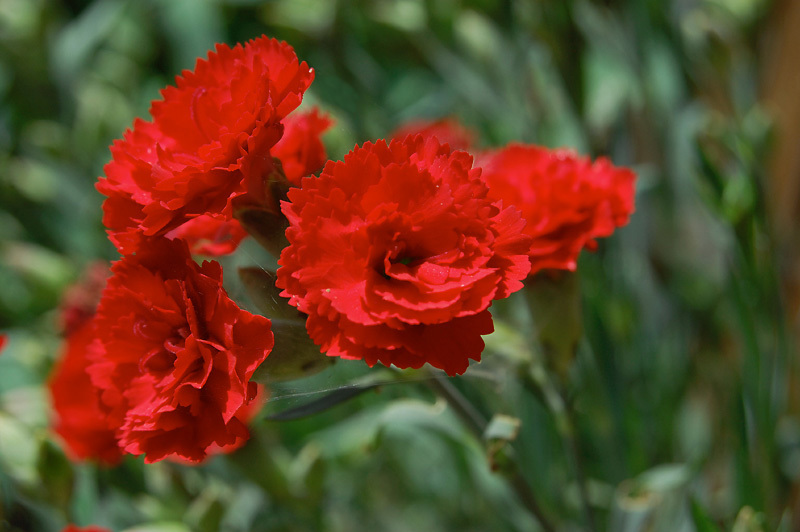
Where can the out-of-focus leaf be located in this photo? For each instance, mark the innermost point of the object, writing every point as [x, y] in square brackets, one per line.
[478, 35]
[85, 496]
[19, 18]
[311, 16]
[702, 522]
[75, 43]
[242, 509]
[307, 473]
[33, 179]
[655, 501]
[38, 263]
[407, 15]
[361, 431]
[610, 87]
[159, 527]
[663, 77]
[19, 450]
[323, 403]
[748, 520]
[192, 27]
[207, 509]
[694, 427]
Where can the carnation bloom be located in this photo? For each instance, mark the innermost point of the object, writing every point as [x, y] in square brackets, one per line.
[176, 354]
[79, 420]
[79, 302]
[208, 143]
[3, 341]
[447, 130]
[396, 254]
[300, 150]
[567, 200]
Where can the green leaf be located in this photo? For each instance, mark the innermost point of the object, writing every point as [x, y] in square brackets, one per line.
[159, 527]
[323, 403]
[19, 450]
[748, 520]
[702, 522]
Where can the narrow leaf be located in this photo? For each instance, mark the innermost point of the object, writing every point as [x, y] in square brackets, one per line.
[324, 403]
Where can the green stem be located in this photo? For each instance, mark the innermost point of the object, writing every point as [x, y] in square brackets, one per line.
[476, 424]
[564, 416]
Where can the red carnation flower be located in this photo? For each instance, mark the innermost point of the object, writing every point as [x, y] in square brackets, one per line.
[3, 341]
[396, 254]
[79, 302]
[79, 420]
[73, 528]
[567, 200]
[210, 235]
[446, 130]
[300, 150]
[177, 354]
[209, 141]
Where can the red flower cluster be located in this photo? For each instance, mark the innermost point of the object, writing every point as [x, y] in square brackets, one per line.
[209, 141]
[175, 354]
[446, 130]
[567, 200]
[396, 254]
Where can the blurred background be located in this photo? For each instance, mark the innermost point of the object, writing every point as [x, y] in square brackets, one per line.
[686, 383]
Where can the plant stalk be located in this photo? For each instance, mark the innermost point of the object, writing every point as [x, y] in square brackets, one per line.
[476, 424]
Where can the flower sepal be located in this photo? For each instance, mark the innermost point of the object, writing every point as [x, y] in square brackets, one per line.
[295, 355]
[554, 300]
[259, 212]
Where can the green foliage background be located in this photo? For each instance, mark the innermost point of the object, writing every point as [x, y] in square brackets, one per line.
[683, 381]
